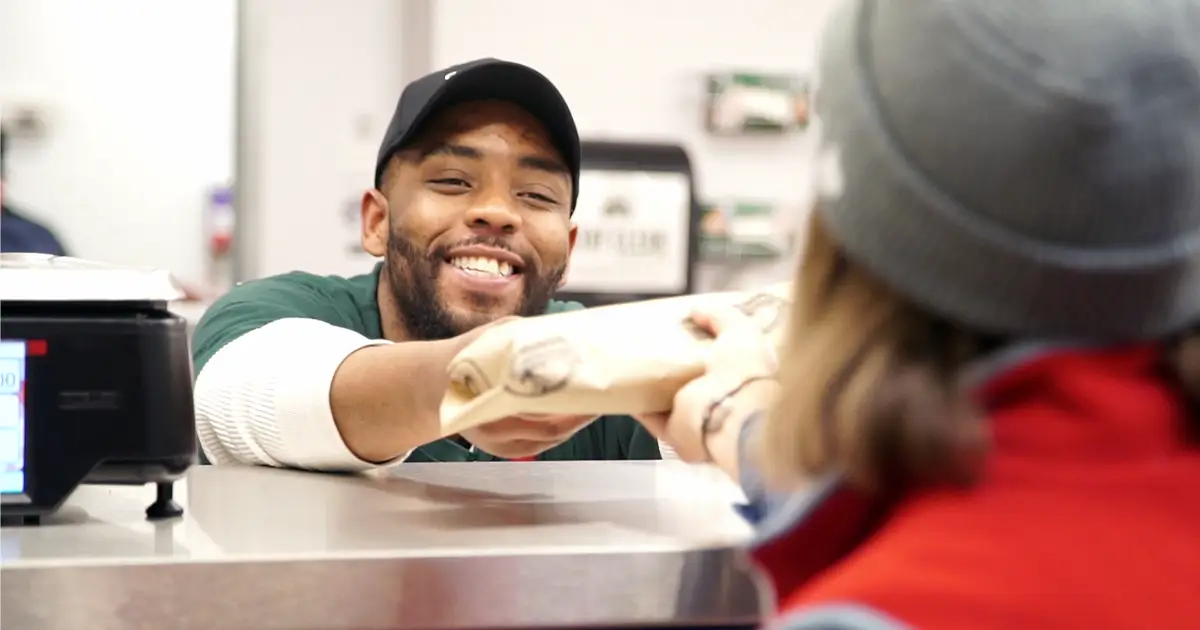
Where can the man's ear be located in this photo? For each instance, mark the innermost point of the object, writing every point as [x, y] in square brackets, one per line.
[375, 224]
[570, 249]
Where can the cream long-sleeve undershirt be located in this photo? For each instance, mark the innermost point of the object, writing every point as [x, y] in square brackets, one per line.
[263, 399]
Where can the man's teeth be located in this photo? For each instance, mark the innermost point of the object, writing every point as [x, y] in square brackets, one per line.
[482, 266]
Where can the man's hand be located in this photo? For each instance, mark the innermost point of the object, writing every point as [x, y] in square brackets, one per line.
[525, 436]
[519, 437]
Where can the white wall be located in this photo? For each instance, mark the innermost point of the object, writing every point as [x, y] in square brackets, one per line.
[320, 82]
[139, 95]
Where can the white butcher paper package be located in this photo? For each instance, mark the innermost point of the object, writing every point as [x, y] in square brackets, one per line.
[620, 359]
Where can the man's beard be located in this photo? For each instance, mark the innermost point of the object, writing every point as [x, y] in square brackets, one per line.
[413, 277]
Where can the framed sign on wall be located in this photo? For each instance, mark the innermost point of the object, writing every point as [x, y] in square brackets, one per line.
[743, 103]
[637, 220]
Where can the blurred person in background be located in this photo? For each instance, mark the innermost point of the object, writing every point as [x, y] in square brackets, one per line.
[989, 404]
[19, 233]
[475, 183]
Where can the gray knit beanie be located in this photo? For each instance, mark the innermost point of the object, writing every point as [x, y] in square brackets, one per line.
[1027, 167]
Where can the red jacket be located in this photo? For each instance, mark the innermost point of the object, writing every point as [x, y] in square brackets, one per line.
[1088, 517]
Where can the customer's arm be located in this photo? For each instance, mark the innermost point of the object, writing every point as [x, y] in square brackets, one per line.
[733, 443]
[733, 446]
[759, 500]
[735, 449]
[280, 383]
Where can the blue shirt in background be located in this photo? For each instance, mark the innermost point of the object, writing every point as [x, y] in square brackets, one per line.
[20, 234]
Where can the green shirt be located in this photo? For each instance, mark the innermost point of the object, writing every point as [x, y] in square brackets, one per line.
[352, 303]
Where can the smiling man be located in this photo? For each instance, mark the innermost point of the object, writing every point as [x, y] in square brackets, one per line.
[471, 211]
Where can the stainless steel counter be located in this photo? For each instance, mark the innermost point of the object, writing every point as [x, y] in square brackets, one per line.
[580, 544]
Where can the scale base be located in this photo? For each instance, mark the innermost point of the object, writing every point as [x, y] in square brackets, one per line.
[163, 508]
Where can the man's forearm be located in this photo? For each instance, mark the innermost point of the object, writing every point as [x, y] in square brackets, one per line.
[386, 399]
[264, 397]
[302, 393]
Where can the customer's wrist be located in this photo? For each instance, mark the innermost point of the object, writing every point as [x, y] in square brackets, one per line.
[754, 394]
[758, 392]
[749, 398]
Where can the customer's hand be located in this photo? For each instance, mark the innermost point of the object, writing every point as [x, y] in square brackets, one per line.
[519, 437]
[742, 361]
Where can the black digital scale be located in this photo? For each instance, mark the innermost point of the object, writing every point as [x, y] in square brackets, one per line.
[95, 384]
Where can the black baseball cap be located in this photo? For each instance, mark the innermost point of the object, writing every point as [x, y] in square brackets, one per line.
[480, 80]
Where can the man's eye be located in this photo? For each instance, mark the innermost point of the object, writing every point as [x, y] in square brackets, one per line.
[450, 181]
[539, 197]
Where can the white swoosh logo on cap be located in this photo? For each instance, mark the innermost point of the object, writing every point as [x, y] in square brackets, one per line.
[450, 75]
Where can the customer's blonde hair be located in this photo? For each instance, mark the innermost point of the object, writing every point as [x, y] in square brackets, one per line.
[872, 385]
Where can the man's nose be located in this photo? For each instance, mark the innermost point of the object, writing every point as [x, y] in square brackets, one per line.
[493, 216]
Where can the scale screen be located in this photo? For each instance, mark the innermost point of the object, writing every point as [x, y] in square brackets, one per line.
[12, 416]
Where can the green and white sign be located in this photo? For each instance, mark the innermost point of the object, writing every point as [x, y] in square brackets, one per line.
[744, 103]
